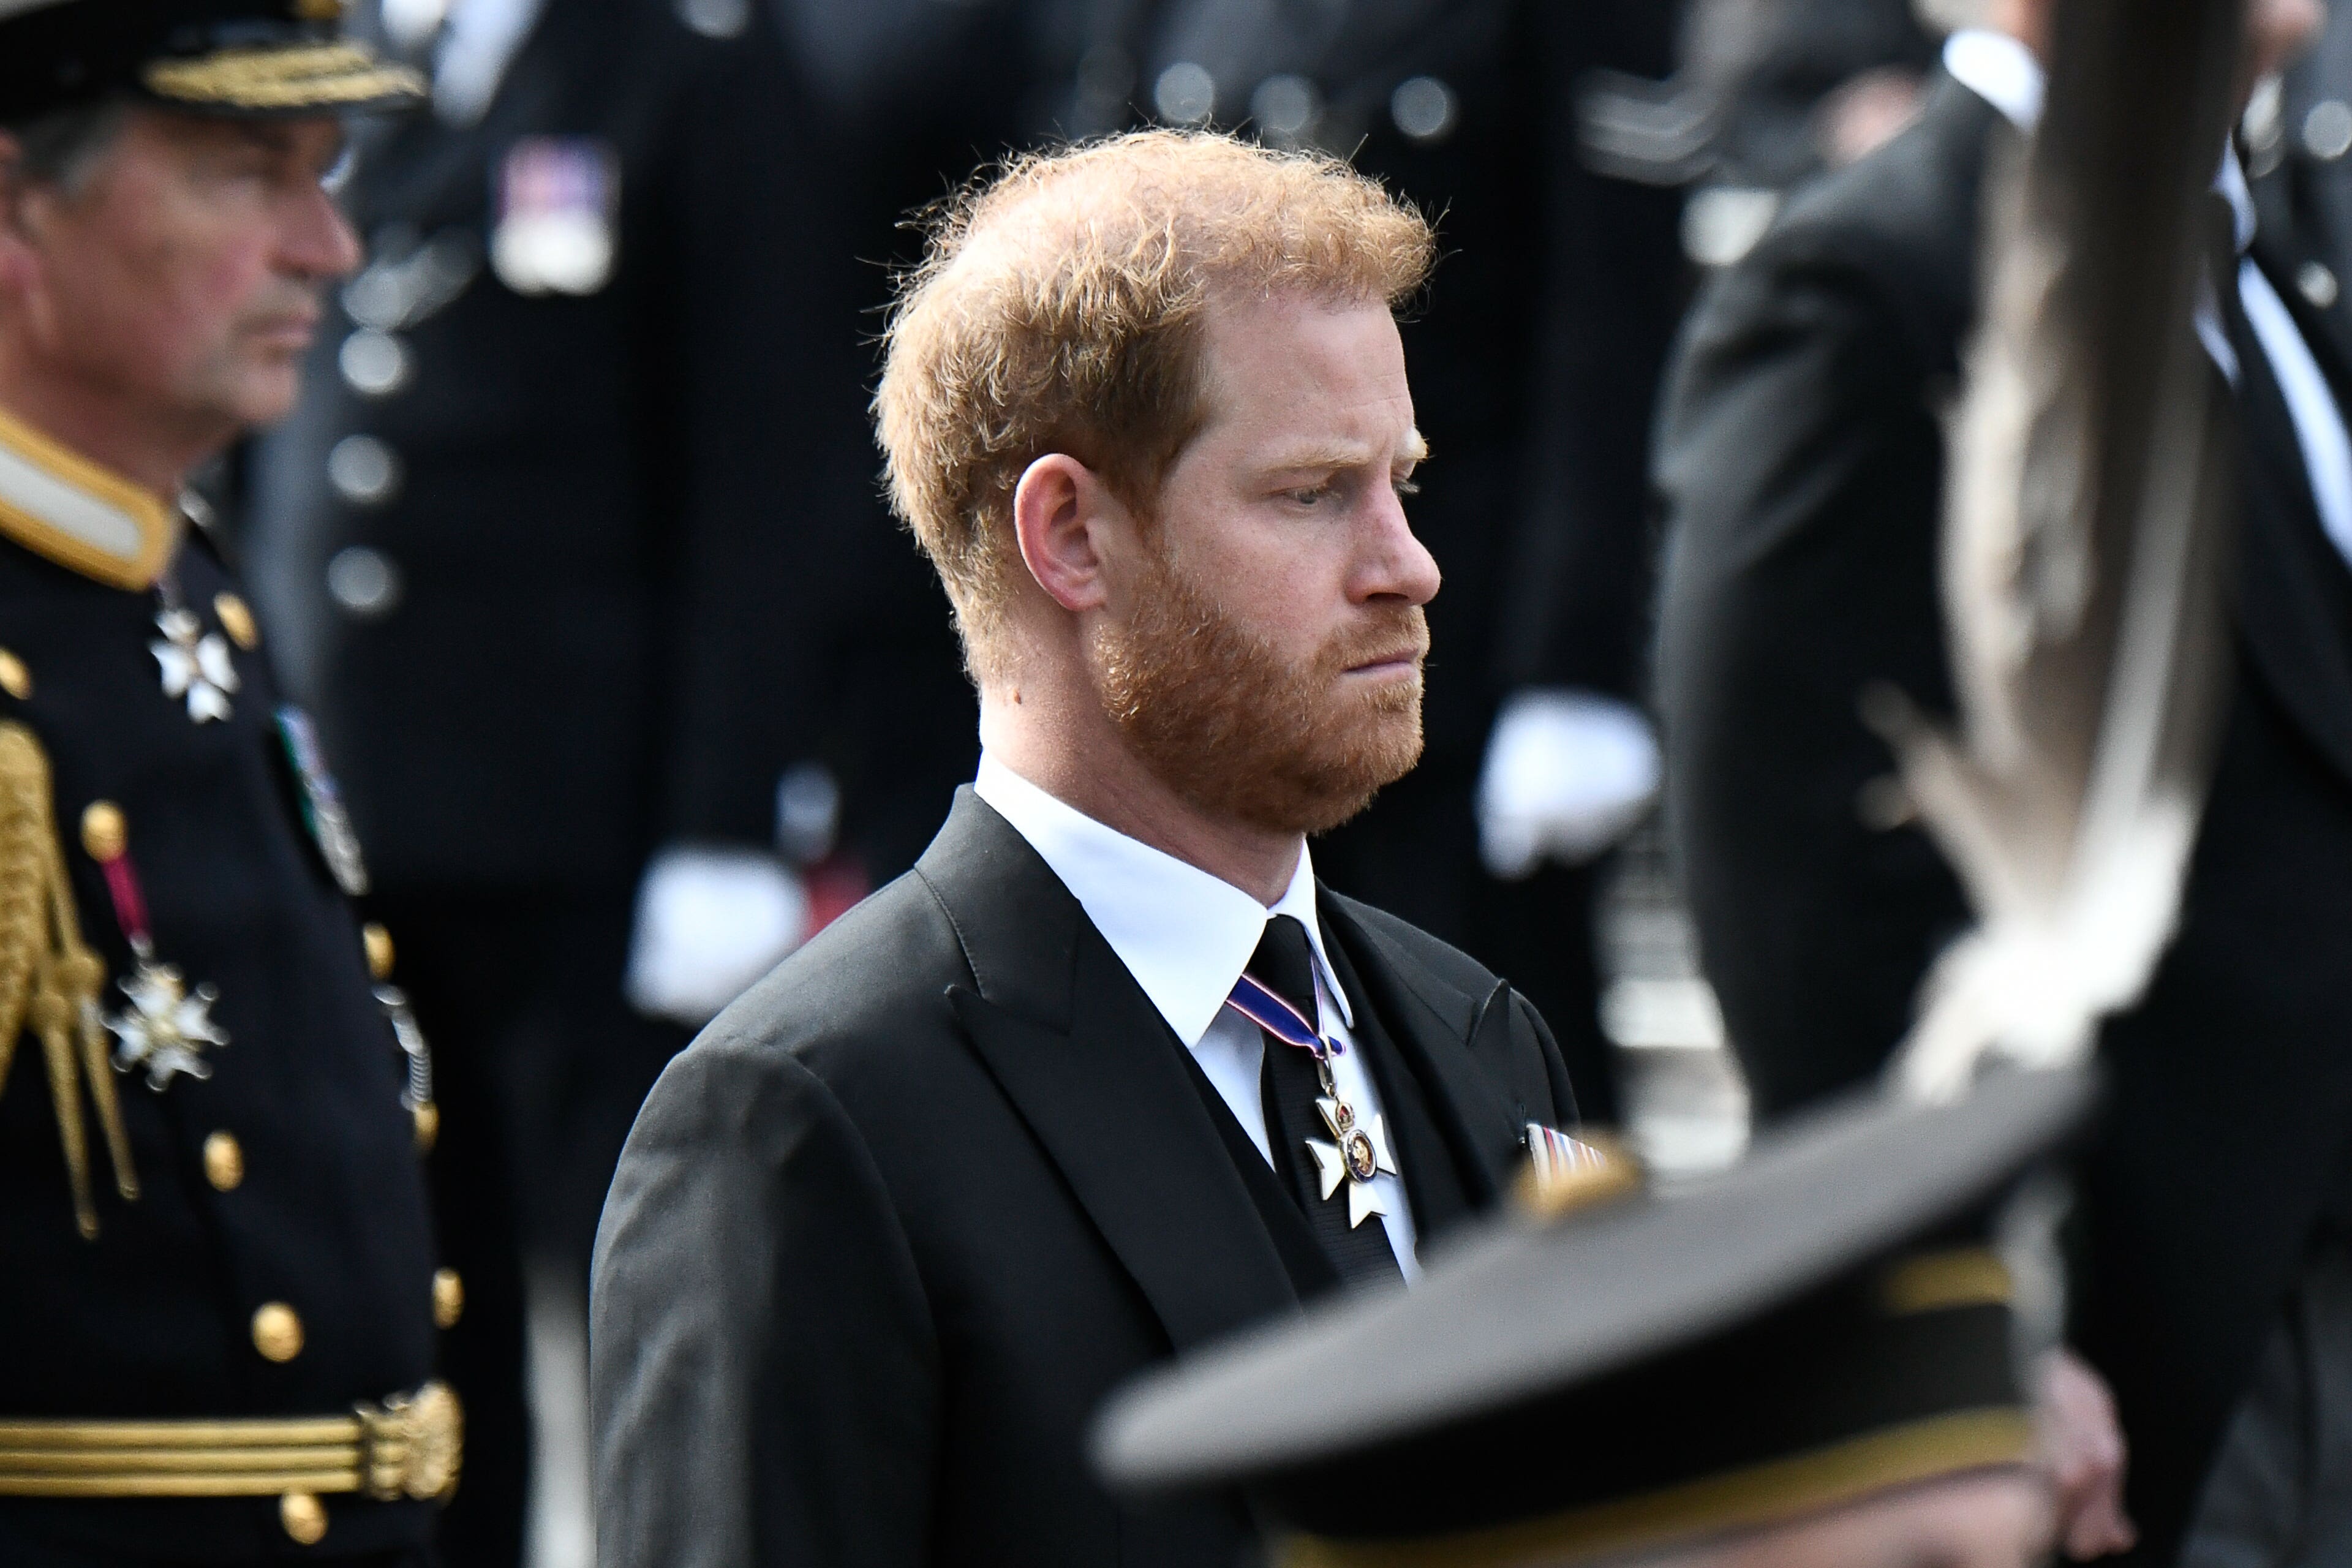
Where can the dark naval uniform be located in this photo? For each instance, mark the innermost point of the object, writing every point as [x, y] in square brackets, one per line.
[220, 1305]
[248, 1243]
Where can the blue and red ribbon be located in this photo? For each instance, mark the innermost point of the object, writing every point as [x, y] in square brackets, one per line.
[1278, 1018]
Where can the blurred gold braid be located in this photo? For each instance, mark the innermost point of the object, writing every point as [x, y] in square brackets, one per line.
[49, 978]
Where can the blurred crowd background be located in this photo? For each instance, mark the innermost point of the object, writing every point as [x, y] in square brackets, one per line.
[576, 547]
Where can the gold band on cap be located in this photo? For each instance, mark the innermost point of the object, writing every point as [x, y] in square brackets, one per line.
[305, 76]
[1938, 1281]
[1751, 1499]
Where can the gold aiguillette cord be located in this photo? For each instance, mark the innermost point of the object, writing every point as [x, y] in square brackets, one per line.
[48, 978]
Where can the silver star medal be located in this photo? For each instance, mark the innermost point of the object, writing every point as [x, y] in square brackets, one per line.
[1360, 1153]
[167, 1028]
[196, 664]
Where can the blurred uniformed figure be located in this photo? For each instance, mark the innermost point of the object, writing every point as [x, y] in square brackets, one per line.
[567, 539]
[220, 1299]
[1537, 357]
[1821, 1359]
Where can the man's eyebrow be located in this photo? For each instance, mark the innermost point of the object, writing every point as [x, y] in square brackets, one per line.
[1344, 454]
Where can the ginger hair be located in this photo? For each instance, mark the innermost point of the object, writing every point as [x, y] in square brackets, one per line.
[1059, 307]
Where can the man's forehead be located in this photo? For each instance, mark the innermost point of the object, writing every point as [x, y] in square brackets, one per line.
[1293, 373]
[290, 135]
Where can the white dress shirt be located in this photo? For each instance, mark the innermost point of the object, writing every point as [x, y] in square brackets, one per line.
[1186, 936]
[2005, 74]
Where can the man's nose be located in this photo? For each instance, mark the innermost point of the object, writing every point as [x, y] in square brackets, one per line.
[1395, 563]
[320, 242]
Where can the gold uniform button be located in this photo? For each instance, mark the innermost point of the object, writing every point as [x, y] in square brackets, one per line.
[15, 678]
[448, 1298]
[237, 620]
[276, 1331]
[378, 943]
[104, 833]
[224, 1161]
[428, 1127]
[304, 1517]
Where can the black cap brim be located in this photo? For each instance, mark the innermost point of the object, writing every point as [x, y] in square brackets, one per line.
[1528, 1308]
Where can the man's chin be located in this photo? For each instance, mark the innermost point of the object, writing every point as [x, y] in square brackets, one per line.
[262, 393]
[1337, 789]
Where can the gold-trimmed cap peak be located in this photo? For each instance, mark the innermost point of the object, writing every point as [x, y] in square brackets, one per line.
[229, 57]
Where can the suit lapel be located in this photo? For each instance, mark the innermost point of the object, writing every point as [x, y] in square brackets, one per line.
[2296, 595]
[1100, 1081]
[1433, 1028]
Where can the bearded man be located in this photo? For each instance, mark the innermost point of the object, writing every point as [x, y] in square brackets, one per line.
[1107, 1074]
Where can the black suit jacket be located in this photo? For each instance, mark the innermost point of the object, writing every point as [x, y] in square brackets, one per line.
[887, 1234]
[1803, 465]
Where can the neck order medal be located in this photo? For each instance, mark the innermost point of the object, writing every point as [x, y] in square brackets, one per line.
[1358, 1149]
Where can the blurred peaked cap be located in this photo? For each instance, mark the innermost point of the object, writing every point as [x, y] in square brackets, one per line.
[242, 59]
[1817, 1323]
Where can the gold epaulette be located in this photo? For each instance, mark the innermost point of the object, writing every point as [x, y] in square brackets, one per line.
[49, 980]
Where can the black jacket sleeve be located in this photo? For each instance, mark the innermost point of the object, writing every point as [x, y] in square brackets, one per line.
[750, 1406]
[1800, 459]
[1577, 596]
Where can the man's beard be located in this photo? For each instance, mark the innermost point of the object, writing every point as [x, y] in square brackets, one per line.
[1221, 718]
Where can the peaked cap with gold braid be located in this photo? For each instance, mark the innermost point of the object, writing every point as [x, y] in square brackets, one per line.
[243, 58]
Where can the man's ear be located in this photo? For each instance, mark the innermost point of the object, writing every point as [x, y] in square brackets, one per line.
[1060, 511]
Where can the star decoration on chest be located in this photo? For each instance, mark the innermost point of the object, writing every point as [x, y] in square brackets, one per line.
[167, 1027]
[196, 665]
[1359, 1151]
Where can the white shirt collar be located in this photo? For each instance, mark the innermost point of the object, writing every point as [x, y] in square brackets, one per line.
[1184, 935]
[2001, 70]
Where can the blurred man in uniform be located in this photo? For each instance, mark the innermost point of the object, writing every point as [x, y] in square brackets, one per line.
[1804, 463]
[220, 1299]
[567, 541]
[1109, 1072]
[1811, 1361]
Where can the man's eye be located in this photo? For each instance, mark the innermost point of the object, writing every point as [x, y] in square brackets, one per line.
[1313, 496]
[1407, 487]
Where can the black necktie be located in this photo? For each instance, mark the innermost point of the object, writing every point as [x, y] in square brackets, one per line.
[2265, 417]
[1289, 1084]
